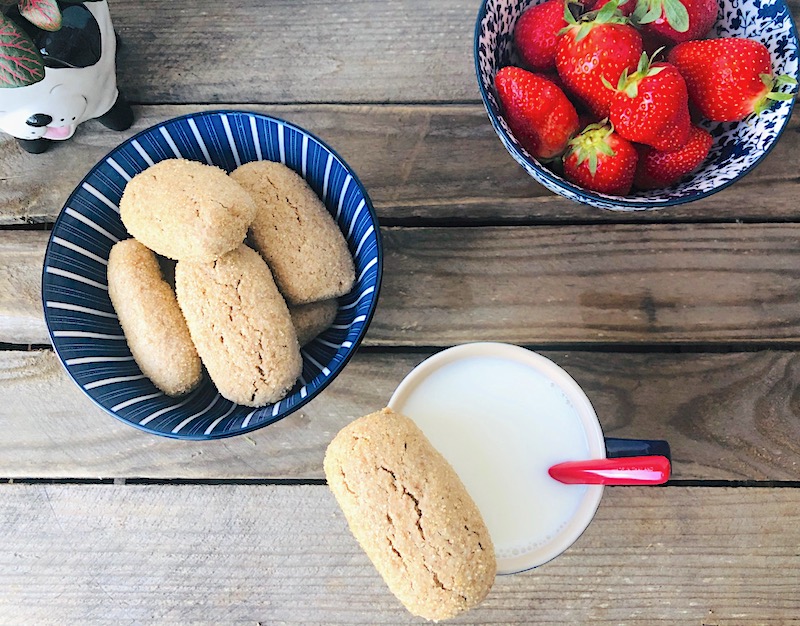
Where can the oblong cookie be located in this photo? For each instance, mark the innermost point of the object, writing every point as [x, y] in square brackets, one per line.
[240, 325]
[185, 210]
[311, 319]
[151, 319]
[411, 514]
[296, 235]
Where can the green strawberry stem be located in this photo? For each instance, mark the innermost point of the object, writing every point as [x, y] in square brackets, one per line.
[630, 84]
[591, 142]
[773, 85]
[608, 14]
[648, 11]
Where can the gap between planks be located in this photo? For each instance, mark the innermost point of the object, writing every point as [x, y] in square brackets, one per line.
[706, 484]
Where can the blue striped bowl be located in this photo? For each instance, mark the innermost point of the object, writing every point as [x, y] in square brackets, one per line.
[80, 318]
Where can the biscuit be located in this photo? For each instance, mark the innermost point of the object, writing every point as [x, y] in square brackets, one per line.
[411, 514]
[296, 235]
[240, 325]
[311, 319]
[185, 210]
[151, 319]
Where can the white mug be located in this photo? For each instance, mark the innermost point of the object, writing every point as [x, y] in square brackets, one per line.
[502, 415]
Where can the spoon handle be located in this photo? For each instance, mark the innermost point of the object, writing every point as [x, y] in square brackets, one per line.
[633, 470]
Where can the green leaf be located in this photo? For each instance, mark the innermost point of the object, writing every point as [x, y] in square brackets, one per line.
[583, 30]
[607, 12]
[20, 61]
[642, 6]
[596, 126]
[606, 149]
[623, 80]
[777, 95]
[677, 15]
[766, 79]
[643, 62]
[593, 162]
[568, 17]
[43, 14]
[607, 84]
[783, 79]
[654, 11]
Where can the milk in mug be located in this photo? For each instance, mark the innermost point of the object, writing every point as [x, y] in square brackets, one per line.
[502, 415]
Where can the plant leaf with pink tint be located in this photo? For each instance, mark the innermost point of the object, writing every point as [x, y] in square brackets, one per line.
[42, 13]
[20, 62]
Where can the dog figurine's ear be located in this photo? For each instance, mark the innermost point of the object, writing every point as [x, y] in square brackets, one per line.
[79, 80]
[78, 43]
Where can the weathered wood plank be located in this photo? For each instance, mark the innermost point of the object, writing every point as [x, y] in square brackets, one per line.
[319, 51]
[543, 285]
[727, 417]
[269, 555]
[21, 316]
[419, 164]
[620, 283]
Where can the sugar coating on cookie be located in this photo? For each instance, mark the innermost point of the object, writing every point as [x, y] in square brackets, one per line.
[296, 235]
[185, 210]
[311, 319]
[153, 324]
[241, 326]
[412, 515]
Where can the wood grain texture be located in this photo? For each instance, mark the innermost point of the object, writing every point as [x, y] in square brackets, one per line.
[21, 316]
[284, 555]
[620, 283]
[251, 51]
[727, 417]
[654, 284]
[420, 164]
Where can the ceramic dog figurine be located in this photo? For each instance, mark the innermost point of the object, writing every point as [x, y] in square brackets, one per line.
[79, 80]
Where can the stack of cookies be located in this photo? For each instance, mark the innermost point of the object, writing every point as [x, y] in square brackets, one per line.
[242, 312]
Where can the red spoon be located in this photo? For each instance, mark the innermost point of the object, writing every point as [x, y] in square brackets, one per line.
[631, 470]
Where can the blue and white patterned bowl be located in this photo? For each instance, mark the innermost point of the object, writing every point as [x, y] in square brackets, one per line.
[738, 146]
[80, 318]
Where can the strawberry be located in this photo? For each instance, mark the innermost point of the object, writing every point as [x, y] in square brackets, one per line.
[651, 106]
[658, 169]
[536, 34]
[728, 79]
[626, 7]
[537, 111]
[601, 160]
[676, 20]
[592, 50]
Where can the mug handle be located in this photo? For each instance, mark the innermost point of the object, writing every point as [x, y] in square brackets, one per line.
[617, 448]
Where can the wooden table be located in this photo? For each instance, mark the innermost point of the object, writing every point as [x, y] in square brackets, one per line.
[682, 324]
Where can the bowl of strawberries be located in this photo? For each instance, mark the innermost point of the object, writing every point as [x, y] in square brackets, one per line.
[637, 104]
